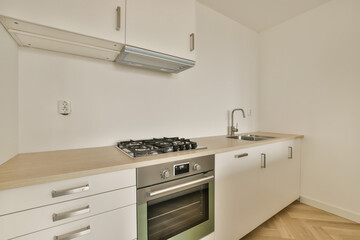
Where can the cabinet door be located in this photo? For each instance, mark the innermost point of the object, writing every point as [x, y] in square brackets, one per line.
[250, 190]
[161, 25]
[237, 193]
[89, 17]
[281, 177]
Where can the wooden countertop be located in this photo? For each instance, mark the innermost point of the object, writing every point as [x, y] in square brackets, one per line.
[36, 168]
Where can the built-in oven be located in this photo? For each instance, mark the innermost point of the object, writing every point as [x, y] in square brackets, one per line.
[176, 200]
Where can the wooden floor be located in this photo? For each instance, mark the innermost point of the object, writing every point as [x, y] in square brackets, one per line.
[302, 222]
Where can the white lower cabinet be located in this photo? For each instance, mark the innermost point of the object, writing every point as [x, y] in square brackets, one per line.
[251, 185]
[18, 224]
[113, 225]
[20, 199]
[95, 207]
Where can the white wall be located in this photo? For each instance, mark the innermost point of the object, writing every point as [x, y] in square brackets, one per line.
[310, 83]
[112, 102]
[8, 96]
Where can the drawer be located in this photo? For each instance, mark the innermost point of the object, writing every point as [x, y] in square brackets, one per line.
[19, 199]
[113, 225]
[24, 222]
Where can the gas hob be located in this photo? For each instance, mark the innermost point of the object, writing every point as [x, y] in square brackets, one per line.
[148, 147]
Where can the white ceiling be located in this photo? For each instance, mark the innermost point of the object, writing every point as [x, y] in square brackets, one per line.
[260, 15]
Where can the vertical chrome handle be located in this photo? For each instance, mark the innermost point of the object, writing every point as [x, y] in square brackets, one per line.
[74, 234]
[290, 152]
[118, 18]
[263, 160]
[241, 155]
[72, 213]
[192, 42]
[70, 191]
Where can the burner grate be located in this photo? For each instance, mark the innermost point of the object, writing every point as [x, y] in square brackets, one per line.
[140, 148]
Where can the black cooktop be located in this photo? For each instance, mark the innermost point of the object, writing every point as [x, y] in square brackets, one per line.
[140, 148]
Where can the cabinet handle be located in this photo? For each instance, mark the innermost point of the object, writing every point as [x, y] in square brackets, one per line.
[118, 18]
[70, 191]
[241, 155]
[290, 152]
[74, 234]
[263, 160]
[192, 42]
[72, 213]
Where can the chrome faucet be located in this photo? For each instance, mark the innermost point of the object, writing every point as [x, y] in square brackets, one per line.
[233, 129]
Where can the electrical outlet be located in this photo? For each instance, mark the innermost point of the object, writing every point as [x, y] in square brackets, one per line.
[64, 107]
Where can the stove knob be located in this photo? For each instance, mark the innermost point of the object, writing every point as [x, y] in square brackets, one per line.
[165, 174]
[197, 167]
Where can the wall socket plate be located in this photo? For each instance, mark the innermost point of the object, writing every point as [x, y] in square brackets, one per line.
[64, 107]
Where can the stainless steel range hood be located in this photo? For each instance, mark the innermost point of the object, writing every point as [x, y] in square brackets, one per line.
[157, 61]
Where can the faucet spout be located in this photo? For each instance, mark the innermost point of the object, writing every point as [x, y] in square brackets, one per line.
[233, 129]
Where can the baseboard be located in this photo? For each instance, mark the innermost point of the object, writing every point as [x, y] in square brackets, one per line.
[331, 209]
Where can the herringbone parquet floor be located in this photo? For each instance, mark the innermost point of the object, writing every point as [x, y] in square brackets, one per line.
[302, 222]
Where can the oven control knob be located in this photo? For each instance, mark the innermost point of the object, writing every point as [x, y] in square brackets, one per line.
[165, 174]
[197, 167]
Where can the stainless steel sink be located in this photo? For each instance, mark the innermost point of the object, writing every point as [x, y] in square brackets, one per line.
[250, 137]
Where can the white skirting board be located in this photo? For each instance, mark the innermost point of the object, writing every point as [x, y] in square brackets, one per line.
[331, 209]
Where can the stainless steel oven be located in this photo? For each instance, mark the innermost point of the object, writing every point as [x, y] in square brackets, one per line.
[176, 200]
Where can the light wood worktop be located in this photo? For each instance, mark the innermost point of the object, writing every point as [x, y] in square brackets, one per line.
[36, 168]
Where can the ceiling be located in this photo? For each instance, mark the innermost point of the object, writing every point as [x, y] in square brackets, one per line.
[260, 15]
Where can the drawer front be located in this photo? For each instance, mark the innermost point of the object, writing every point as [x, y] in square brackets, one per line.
[25, 222]
[19, 199]
[114, 225]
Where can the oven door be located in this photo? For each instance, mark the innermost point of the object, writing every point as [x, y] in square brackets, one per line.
[177, 210]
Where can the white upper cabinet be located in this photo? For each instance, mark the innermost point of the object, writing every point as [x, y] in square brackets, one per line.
[162, 26]
[100, 19]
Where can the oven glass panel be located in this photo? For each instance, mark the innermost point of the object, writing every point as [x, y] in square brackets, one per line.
[175, 213]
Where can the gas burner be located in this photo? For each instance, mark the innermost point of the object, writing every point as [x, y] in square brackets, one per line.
[147, 147]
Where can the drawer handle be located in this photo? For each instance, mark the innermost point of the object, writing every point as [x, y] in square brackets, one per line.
[74, 234]
[72, 213]
[192, 42]
[241, 155]
[263, 160]
[290, 152]
[118, 18]
[70, 191]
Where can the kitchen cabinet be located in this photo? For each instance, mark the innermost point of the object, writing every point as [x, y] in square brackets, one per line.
[162, 26]
[12, 200]
[69, 205]
[113, 225]
[252, 185]
[94, 18]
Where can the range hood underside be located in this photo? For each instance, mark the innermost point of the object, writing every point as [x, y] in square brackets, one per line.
[42, 37]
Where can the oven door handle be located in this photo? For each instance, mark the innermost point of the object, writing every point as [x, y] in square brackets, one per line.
[169, 189]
